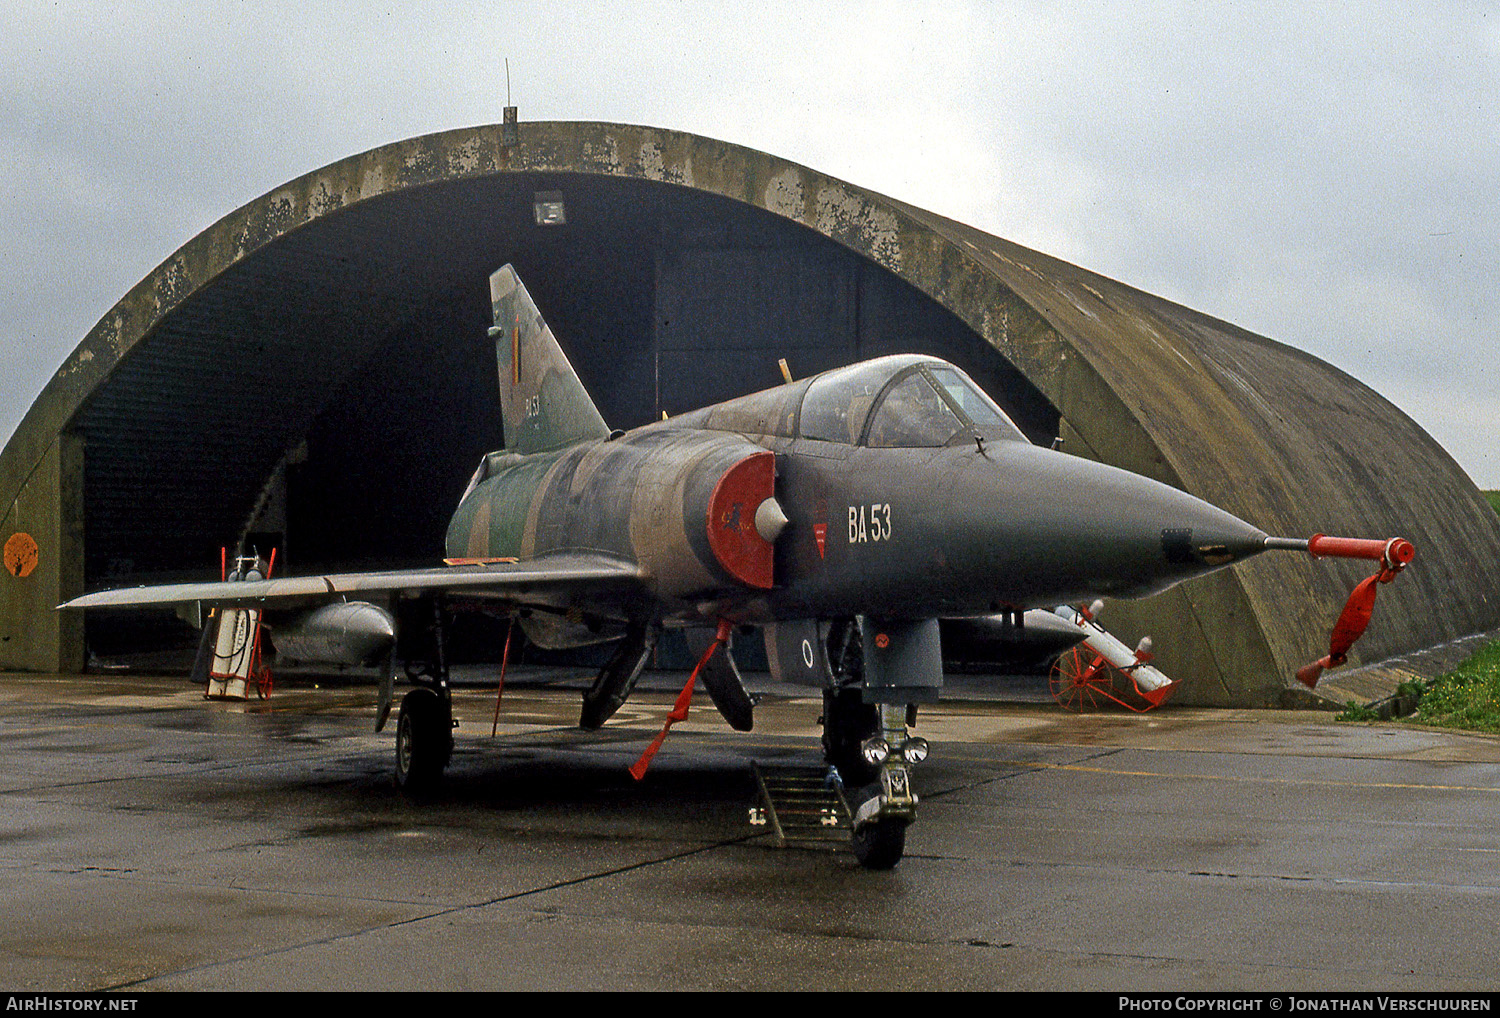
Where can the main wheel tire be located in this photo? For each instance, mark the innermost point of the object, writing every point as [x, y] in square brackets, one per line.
[847, 722]
[879, 844]
[424, 740]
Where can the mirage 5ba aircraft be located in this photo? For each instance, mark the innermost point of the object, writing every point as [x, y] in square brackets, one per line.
[843, 515]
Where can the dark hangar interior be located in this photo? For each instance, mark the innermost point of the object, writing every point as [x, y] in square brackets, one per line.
[330, 394]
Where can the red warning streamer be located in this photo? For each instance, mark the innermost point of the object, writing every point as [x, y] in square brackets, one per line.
[679, 710]
[261, 673]
[1393, 555]
[504, 662]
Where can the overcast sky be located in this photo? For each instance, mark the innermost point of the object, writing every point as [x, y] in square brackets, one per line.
[1322, 174]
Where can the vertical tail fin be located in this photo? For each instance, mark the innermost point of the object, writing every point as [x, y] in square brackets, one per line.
[543, 403]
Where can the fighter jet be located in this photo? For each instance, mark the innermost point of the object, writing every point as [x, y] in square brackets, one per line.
[842, 516]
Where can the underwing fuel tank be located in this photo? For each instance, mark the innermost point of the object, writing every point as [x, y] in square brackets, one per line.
[997, 643]
[343, 633]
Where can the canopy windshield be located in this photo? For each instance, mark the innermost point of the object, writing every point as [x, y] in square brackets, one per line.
[837, 403]
[971, 403]
[901, 402]
[929, 404]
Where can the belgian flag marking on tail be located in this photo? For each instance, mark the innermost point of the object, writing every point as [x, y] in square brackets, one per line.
[543, 403]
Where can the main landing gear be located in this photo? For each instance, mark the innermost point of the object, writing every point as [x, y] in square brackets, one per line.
[424, 730]
[424, 740]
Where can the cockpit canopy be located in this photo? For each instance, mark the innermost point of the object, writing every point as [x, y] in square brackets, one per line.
[903, 401]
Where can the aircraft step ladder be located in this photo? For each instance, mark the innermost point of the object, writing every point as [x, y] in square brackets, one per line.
[803, 806]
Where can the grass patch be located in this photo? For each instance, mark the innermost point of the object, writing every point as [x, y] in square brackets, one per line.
[1356, 711]
[1467, 697]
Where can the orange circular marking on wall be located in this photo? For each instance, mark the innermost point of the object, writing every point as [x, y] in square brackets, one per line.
[20, 554]
[882, 640]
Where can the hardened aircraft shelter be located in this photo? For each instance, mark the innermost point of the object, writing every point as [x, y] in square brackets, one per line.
[313, 372]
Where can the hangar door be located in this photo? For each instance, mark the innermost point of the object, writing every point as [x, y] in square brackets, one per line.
[724, 317]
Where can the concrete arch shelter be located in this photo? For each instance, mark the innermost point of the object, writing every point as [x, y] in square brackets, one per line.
[312, 371]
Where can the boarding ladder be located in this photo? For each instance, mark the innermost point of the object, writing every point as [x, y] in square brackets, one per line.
[803, 806]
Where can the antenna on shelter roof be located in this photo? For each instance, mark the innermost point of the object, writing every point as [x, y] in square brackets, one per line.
[509, 132]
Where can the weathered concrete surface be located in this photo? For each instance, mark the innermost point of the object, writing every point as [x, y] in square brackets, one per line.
[152, 840]
[47, 509]
[1267, 432]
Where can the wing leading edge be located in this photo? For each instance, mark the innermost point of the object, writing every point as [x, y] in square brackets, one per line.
[561, 581]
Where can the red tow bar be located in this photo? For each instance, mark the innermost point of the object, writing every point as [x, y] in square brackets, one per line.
[1395, 553]
[1393, 556]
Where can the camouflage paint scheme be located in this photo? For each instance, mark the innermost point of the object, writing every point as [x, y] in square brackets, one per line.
[892, 490]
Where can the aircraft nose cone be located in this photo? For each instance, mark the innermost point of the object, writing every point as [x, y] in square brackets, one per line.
[1086, 529]
[1211, 543]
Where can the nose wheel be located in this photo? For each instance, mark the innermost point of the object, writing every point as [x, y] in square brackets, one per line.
[890, 806]
[879, 844]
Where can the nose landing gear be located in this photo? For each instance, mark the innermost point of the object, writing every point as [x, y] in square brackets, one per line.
[889, 805]
[897, 665]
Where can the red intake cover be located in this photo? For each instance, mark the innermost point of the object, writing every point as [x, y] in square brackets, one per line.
[731, 519]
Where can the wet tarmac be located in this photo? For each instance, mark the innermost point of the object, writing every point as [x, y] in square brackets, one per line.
[154, 840]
